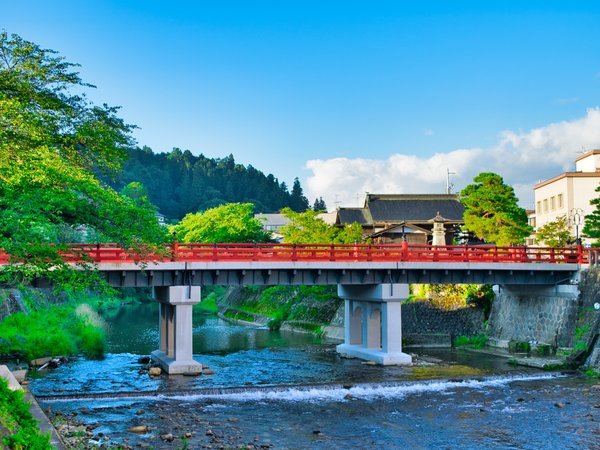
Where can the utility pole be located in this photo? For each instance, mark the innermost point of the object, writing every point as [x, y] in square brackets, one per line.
[449, 185]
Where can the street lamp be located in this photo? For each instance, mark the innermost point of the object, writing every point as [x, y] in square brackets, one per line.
[575, 218]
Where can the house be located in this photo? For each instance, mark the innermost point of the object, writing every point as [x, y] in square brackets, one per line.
[391, 218]
[272, 223]
[569, 194]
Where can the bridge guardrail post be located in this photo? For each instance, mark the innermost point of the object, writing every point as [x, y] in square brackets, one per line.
[294, 253]
[404, 251]
[174, 251]
[580, 259]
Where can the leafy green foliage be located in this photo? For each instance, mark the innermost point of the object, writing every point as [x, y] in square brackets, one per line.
[555, 233]
[492, 212]
[233, 222]
[179, 182]
[478, 341]
[16, 419]
[591, 228]
[307, 228]
[56, 330]
[455, 296]
[52, 142]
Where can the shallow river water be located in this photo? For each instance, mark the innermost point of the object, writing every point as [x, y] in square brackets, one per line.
[284, 390]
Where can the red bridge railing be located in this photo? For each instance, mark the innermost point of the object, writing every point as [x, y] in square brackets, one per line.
[111, 253]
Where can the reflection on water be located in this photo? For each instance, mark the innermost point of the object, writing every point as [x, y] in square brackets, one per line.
[134, 329]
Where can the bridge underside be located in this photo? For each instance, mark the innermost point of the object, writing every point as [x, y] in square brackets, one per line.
[309, 276]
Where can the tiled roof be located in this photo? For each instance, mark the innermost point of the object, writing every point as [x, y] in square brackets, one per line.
[351, 215]
[418, 208]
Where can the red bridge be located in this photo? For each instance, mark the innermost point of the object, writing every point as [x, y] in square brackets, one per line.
[373, 280]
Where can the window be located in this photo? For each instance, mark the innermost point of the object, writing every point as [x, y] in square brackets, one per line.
[539, 207]
[552, 203]
[560, 201]
[545, 205]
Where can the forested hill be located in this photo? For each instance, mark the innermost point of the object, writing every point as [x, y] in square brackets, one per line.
[179, 182]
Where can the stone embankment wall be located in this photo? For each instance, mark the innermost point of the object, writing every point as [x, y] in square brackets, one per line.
[422, 318]
[562, 316]
[11, 301]
[421, 322]
[588, 321]
[532, 313]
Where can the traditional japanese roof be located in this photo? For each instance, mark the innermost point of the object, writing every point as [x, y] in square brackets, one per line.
[351, 215]
[396, 208]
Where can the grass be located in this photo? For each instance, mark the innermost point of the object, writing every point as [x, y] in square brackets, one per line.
[18, 428]
[55, 330]
[478, 341]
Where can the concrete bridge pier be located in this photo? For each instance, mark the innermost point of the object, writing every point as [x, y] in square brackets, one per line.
[373, 322]
[175, 324]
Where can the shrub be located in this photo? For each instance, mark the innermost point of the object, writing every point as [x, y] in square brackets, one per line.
[53, 331]
[16, 419]
[478, 341]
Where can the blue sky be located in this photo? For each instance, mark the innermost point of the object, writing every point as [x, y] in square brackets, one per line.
[364, 90]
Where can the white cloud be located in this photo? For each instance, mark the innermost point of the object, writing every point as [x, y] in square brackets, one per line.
[427, 132]
[522, 158]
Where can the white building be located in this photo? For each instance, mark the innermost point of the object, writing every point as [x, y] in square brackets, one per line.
[569, 194]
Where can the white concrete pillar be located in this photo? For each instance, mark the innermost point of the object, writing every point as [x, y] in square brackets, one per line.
[381, 324]
[373, 322]
[175, 354]
[391, 333]
[353, 317]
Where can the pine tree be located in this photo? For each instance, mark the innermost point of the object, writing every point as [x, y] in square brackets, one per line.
[591, 228]
[298, 202]
[319, 205]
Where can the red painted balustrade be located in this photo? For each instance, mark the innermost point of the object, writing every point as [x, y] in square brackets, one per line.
[111, 253]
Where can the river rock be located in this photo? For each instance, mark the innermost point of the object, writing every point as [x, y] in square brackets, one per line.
[559, 405]
[39, 362]
[154, 371]
[143, 360]
[348, 396]
[208, 372]
[168, 437]
[140, 429]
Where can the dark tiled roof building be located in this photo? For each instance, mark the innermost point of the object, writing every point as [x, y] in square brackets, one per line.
[391, 217]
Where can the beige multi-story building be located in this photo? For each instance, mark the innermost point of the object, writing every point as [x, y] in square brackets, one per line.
[569, 194]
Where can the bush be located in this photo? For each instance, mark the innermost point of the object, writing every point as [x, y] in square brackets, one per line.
[53, 331]
[16, 420]
[478, 341]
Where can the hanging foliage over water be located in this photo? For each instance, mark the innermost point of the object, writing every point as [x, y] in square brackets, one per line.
[52, 141]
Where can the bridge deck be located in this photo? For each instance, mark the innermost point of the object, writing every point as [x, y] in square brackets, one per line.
[309, 264]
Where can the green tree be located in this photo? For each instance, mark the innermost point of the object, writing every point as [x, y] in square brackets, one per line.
[492, 212]
[307, 228]
[233, 222]
[555, 233]
[52, 141]
[319, 205]
[591, 229]
[298, 202]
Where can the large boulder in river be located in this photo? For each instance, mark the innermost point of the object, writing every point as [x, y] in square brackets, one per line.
[39, 362]
[154, 371]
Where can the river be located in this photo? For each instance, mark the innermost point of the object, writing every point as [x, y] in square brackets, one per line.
[285, 390]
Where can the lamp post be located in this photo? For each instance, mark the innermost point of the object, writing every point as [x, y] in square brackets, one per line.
[575, 218]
